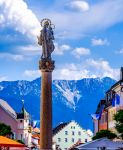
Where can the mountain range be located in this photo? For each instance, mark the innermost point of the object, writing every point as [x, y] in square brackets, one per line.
[72, 99]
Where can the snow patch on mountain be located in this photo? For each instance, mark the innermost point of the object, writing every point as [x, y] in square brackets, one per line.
[1, 88]
[71, 97]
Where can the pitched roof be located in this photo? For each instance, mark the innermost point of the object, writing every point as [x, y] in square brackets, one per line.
[7, 108]
[59, 127]
[114, 85]
[4, 141]
[104, 142]
[36, 136]
[23, 114]
[37, 130]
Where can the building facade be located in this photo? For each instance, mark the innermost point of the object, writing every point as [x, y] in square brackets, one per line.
[19, 122]
[66, 135]
[112, 103]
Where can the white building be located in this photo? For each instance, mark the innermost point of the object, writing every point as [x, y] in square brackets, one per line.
[65, 135]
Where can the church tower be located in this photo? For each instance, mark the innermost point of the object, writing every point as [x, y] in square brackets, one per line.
[23, 119]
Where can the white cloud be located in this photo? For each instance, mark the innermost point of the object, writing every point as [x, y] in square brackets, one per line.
[17, 15]
[60, 49]
[88, 69]
[120, 51]
[2, 19]
[31, 74]
[3, 78]
[79, 5]
[98, 17]
[29, 50]
[78, 52]
[69, 72]
[22, 19]
[101, 68]
[99, 42]
[15, 57]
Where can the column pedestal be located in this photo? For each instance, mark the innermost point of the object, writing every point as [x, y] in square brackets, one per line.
[46, 66]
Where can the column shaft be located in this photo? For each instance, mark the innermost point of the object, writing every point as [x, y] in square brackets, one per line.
[46, 112]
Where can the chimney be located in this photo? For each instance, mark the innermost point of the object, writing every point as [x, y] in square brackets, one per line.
[121, 73]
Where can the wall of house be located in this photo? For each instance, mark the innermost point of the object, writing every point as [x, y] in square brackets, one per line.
[111, 122]
[113, 110]
[95, 126]
[69, 135]
[6, 118]
[23, 131]
[103, 121]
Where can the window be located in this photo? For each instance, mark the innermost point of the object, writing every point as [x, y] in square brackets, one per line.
[14, 135]
[72, 127]
[79, 140]
[65, 139]
[66, 132]
[21, 121]
[59, 139]
[72, 139]
[25, 135]
[102, 118]
[106, 117]
[21, 136]
[79, 133]
[72, 132]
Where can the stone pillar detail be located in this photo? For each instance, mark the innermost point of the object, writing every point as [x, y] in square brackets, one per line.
[46, 66]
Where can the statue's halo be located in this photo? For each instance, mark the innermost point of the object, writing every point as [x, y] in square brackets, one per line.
[43, 21]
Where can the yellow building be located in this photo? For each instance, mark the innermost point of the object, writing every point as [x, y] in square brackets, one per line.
[113, 102]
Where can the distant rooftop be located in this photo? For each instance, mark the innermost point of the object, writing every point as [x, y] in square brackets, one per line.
[8, 108]
[59, 127]
[23, 115]
[102, 142]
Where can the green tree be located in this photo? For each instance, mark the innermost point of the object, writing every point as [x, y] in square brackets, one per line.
[20, 141]
[104, 133]
[118, 117]
[5, 129]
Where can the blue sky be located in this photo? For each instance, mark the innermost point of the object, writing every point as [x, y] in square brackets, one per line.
[88, 38]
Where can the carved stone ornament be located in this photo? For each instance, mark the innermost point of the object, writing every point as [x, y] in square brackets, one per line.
[46, 65]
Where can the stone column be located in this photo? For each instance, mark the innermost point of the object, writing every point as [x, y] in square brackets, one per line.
[46, 66]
